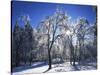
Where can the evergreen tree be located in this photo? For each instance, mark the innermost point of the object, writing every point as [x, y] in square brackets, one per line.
[28, 42]
[16, 43]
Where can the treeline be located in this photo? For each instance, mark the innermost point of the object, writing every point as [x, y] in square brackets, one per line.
[22, 44]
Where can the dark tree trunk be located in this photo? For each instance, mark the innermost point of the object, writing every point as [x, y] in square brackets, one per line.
[17, 59]
[74, 57]
[30, 58]
[49, 56]
[79, 59]
[72, 53]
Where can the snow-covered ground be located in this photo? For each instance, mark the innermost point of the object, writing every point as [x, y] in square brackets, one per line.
[42, 67]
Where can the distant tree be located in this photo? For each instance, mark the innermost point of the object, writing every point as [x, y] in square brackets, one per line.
[16, 37]
[72, 50]
[28, 41]
[82, 28]
[95, 26]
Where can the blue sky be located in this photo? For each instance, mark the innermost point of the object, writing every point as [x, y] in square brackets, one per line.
[37, 11]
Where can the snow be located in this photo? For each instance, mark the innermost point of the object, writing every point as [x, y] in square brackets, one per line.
[42, 67]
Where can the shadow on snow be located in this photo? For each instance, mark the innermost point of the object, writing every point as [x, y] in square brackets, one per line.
[25, 67]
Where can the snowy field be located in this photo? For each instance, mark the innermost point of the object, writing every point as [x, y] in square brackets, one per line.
[42, 67]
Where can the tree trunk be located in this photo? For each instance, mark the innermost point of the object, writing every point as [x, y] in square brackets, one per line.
[30, 58]
[74, 57]
[49, 56]
[79, 53]
[17, 59]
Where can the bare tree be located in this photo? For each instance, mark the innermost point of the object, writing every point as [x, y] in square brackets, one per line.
[82, 28]
[55, 27]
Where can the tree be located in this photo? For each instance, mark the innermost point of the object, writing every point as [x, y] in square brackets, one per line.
[72, 50]
[95, 26]
[16, 43]
[82, 28]
[55, 27]
[28, 41]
